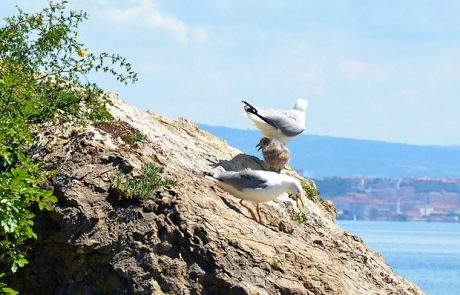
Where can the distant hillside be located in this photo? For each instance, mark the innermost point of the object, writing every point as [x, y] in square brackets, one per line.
[322, 156]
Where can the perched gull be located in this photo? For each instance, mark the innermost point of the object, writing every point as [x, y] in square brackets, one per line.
[275, 153]
[282, 125]
[257, 186]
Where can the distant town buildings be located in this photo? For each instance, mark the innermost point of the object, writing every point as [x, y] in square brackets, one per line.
[393, 199]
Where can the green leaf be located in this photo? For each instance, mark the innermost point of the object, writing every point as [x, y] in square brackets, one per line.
[10, 291]
[21, 262]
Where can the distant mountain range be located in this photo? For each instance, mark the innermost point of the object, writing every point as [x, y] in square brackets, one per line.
[325, 156]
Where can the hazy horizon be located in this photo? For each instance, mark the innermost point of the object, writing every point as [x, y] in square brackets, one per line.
[336, 136]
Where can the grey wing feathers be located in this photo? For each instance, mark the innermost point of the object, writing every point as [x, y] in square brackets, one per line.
[287, 122]
[243, 180]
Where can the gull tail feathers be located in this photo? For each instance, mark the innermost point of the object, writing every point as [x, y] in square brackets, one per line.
[252, 110]
[210, 176]
[249, 108]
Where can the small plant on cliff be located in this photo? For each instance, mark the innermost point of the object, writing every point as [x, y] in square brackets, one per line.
[300, 217]
[276, 265]
[143, 185]
[43, 78]
[310, 189]
[138, 137]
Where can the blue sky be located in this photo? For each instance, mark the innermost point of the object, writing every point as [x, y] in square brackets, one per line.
[382, 70]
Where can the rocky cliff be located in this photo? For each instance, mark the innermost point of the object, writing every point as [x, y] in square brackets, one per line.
[191, 238]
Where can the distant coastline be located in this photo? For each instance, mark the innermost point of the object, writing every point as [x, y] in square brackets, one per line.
[452, 219]
[389, 199]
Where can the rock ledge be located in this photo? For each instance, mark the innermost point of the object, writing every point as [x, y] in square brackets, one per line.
[192, 238]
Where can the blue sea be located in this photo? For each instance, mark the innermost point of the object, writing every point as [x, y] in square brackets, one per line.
[425, 253]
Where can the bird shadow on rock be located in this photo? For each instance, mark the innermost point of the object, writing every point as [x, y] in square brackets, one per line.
[230, 204]
[241, 162]
[239, 209]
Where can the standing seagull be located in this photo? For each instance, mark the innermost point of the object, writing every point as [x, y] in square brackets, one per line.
[275, 153]
[282, 125]
[256, 186]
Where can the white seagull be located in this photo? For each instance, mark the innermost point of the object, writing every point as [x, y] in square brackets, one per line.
[282, 125]
[257, 186]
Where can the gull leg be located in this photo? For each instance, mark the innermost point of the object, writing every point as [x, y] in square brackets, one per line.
[301, 201]
[258, 213]
[297, 198]
[249, 209]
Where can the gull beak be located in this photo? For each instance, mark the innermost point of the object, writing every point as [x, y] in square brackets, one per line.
[258, 146]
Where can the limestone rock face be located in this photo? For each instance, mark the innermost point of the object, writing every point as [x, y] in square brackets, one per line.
[191, 238]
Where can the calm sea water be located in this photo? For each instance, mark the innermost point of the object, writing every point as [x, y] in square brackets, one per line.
[427, 254]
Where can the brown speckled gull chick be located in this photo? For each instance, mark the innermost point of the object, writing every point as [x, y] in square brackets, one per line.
[275, 153]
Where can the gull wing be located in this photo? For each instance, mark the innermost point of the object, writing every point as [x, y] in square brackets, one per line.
[243, 180]
[288, 122]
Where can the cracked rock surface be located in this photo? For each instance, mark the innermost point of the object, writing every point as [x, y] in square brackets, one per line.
[191, 238]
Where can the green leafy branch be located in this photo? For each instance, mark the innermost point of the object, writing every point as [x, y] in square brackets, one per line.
[44, 73]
